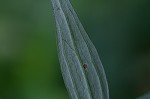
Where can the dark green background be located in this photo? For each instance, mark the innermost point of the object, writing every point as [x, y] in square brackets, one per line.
[29, 68]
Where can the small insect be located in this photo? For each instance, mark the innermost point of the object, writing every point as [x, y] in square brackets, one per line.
[85, 66]
[58, 8]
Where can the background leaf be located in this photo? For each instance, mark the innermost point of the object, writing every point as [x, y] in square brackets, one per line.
[145, 96]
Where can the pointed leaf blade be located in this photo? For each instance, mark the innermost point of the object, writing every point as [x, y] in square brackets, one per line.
[81, 67]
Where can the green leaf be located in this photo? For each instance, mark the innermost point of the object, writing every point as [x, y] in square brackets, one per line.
[81, 67]
[145, 96]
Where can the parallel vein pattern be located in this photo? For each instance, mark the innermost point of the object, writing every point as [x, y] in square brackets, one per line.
[76, 51]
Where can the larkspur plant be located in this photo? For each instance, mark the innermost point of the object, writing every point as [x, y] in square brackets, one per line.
[81, 67]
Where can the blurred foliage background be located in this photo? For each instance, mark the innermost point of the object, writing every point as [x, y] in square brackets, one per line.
[29, 67]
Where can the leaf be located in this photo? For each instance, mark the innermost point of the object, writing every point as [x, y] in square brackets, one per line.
[81, 67]
[145, 96]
